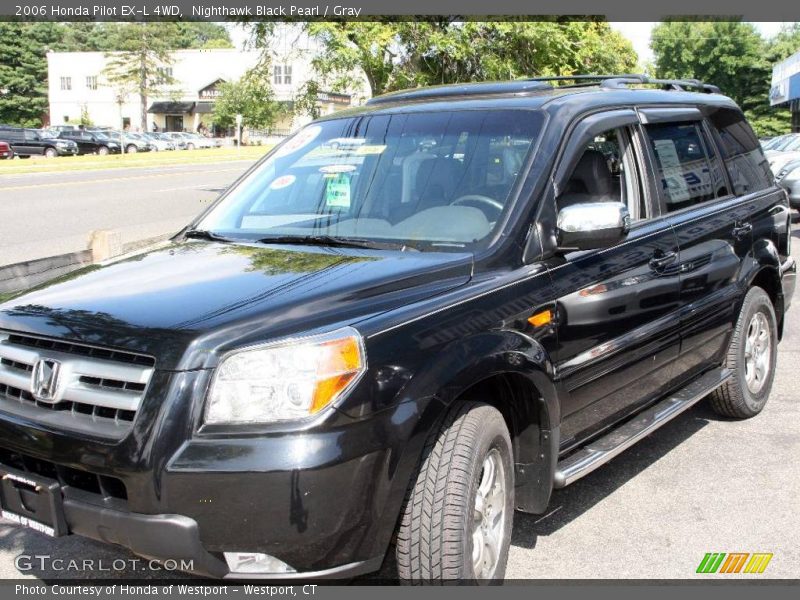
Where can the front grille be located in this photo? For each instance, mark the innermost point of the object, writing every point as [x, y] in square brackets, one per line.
[103, 485]
[92, 383]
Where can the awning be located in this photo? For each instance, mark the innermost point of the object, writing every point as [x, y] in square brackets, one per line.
[170, 108]
[204, 107]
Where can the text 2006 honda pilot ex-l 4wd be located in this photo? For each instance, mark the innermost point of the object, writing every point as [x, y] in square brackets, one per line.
[408, 321]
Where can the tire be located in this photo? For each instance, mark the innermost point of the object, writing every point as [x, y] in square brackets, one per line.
[131, 149]
[440, 520]
[103, 150]
[50, 152]
[190, 146]
[751, 356]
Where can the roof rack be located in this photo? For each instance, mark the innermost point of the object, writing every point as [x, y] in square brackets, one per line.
[622, 81]
[520, 86]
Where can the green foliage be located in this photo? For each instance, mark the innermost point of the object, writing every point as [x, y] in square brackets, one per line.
[732, 55]
[23, 71]
[252, 97]
[396, 55]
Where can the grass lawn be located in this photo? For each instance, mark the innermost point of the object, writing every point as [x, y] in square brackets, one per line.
[125, 161]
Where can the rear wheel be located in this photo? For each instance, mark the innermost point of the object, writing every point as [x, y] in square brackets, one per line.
[457, 517]
[751, 358]
[190, 146]
[131, 149]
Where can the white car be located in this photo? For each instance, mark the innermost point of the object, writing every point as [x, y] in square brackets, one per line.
[159, 143]
[195, 140]
[781, 159]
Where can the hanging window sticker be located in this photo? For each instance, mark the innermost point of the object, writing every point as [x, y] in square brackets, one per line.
[334, 169]
[337, 190]
[303, 138]
[370, 149]
[282, 182]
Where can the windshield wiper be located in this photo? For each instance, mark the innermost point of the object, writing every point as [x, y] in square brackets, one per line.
[204, 234]
[330, 240]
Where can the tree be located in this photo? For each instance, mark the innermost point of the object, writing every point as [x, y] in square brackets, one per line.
[395, 55]
[142, 61]
[23, 71]
[252, 97]
[729, 54]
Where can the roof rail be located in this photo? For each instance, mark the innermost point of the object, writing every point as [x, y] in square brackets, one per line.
[488, 88]
[622, 81]
[679, 85]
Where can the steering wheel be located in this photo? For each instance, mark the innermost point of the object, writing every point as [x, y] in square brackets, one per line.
[479, 199]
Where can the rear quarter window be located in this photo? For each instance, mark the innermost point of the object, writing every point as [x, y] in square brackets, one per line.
[748, 167]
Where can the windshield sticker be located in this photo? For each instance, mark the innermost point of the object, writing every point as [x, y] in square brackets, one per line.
[372, 149]
[337, 191]
[333, 169]
[303, 138]
[282, 182]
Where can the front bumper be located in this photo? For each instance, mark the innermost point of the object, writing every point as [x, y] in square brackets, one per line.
[175, 538]
[323, 502]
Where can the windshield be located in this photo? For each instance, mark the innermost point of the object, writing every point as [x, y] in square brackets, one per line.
[427, 180]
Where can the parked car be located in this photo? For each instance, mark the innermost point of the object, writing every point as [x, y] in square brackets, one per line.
[787, 143]
[789, 179]
[407, 321]
[195, 140]
[132, 142]
[5, 151]
[781, 159]
[32, 142]
[90, 142]
[158, 142]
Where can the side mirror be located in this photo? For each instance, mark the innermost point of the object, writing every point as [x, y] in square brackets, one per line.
[592, 225]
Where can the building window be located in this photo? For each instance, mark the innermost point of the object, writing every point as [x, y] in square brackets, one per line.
[282, 74]
[164, 75]
[91, 82]
[66, 83]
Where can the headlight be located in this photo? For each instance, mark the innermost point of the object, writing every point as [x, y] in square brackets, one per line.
[286, 380]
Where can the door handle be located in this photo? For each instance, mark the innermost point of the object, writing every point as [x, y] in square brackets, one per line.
[663, 259]
[742, 230]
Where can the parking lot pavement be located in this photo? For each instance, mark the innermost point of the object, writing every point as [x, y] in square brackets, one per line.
[46, 214]
[699, 484]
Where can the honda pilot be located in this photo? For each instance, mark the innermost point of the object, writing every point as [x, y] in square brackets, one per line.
[406, 322]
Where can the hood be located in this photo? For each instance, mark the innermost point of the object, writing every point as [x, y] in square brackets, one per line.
[213, 296]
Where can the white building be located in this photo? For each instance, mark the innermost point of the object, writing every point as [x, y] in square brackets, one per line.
[77, 86]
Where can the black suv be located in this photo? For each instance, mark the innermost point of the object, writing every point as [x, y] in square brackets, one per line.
[407, 321]
[91, 142]
[33, 142]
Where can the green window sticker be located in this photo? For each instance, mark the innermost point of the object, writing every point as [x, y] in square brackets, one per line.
[337, 191]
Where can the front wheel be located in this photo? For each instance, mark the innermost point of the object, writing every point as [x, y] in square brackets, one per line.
[458, 512]
[50, 152]
[751, 358]
[103, 150]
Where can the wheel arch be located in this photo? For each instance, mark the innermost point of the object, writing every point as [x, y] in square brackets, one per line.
[765, 273]
[513, 373]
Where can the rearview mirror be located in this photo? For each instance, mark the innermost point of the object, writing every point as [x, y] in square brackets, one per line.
[592, 225]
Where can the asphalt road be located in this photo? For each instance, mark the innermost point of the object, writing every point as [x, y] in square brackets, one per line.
[699, 484]
[46, 214]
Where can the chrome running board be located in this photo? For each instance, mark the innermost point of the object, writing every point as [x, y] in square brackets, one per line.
[596, 453]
